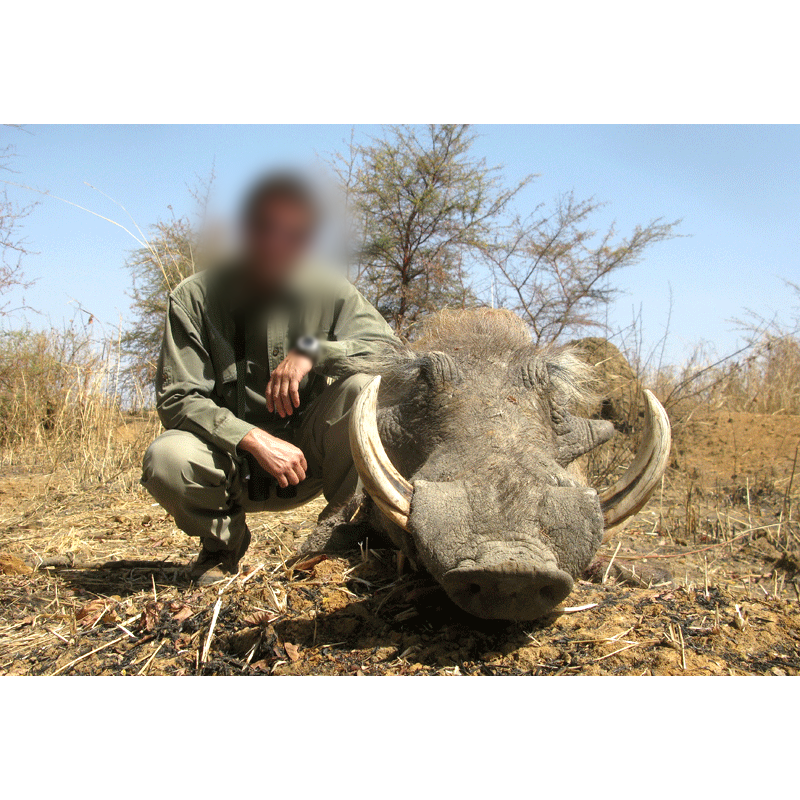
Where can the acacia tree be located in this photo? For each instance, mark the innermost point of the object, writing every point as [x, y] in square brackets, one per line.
[555, 270]
[155, 271]
[426, 213]
[171, 253]
[12, 244]
[423, 208]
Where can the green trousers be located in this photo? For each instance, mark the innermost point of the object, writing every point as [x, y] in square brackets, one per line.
[201, 486]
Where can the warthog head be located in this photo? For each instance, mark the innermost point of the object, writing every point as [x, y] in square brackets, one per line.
[465, 445]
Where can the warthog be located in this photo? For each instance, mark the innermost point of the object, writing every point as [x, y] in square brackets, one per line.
[618, 395]
[464, 445]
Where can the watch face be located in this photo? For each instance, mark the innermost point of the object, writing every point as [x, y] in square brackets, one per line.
[308, 345]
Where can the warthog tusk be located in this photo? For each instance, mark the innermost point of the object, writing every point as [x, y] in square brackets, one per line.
[632, 490]
[392, 493]
[383, 483]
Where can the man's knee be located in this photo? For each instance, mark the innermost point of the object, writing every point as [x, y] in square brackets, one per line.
[178, 459]
[333, 405]
[351, 387]
[164, 463]
[195, 482]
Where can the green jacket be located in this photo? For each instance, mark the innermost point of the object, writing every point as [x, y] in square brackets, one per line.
[196, 378]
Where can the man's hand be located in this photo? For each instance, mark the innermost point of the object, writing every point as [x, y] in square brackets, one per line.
[283, 389]
[285, 462]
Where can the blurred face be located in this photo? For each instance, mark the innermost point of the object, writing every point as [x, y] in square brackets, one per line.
[276, 239]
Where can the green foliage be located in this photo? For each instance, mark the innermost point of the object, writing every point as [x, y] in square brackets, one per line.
[428, 215]
[556, 270]
[155, 270]
[423, 208]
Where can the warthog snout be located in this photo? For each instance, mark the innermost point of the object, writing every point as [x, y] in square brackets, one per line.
[507, 590]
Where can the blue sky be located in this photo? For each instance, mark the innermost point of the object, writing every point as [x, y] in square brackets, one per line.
[737, 189]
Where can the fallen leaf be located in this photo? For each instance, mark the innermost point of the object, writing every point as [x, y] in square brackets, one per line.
[292, 651]
[11, 565]
[92, 608]
[149, 619]
[243, 642]
[180, 611]
[257, 618]
[95, 611]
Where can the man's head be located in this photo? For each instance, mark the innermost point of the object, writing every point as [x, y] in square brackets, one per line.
[280, 216]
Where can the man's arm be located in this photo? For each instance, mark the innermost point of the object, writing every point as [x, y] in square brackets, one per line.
[359, 331]
[185, 385]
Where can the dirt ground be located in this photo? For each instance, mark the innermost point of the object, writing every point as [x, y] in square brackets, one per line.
[705, 581]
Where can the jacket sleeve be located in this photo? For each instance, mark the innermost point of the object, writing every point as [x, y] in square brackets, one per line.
[359, 331]
[185, 384]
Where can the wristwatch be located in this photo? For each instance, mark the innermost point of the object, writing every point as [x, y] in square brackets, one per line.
[308, 346]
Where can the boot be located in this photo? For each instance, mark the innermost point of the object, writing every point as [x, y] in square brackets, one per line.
[213, 566]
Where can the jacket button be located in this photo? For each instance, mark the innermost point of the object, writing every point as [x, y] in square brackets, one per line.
[275, 351]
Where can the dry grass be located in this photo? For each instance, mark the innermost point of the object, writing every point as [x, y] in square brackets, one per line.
[763, 379]
[61, 406]
[704, 581]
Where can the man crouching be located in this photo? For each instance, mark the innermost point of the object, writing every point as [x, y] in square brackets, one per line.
[242, 387]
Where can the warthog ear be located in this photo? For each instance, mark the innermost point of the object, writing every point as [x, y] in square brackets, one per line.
[439, 368]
